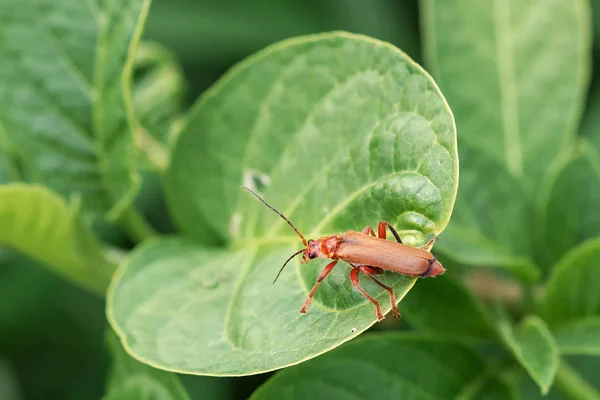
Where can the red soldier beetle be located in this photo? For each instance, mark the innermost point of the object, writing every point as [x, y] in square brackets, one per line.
[365, 253]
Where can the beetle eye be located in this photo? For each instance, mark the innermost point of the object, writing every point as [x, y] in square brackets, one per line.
[311, 255]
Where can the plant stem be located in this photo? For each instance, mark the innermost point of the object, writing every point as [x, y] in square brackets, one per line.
[136, 225]
[572, 385]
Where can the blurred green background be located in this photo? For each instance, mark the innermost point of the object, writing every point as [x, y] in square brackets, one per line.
[52, 333]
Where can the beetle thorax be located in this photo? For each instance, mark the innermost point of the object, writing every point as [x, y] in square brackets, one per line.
[328, 246]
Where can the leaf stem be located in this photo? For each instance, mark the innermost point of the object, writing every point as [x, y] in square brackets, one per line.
[136, 225]
[156, 154]
[574, 386]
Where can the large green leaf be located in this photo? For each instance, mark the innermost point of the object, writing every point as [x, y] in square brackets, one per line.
[569, 209]
[130, 379]
[63, 89]
[39, 224]
[571, 291]
[580, 336]
[381, 366]
[534, 347]
[445, 305]
[369, 138]
[215, 312]
[515, 74]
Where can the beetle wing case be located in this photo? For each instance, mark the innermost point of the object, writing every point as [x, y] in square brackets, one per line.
[357, 248]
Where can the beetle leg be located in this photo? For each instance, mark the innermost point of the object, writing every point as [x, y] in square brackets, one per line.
[354, 279]
[367, 230]
[427, 246]
[382, 233]
[320, 278]
[368, 271]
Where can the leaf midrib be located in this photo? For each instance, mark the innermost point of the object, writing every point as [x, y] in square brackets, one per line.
[507, 86]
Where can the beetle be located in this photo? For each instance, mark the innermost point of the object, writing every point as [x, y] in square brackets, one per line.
[367, 254]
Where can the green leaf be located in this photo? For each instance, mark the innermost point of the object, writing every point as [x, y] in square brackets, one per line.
[517, 105]
[130, 379]
[157, 99]
[581, 336]
[534, 347]
[569, 208]
[39, 224]
[491, 222]
[382, 366]
[215, 312]
[63, 80]
[515, 74]
[571, 291]
[445, 305]
[120, 26]
[370, 138]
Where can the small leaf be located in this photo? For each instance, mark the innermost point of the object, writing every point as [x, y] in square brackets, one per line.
[571, 291]
[581, 336]
[370, 138]
[445, 305]
[380, 366]
[533, 346]
[517, 101]
[157, 99]
[39, 224]
[63, 83]
[569, 211]
[130, 379]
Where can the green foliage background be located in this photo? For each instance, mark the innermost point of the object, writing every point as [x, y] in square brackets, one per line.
[132, 266]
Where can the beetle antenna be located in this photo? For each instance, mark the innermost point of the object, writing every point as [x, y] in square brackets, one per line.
[280, 214]
[285, 263]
